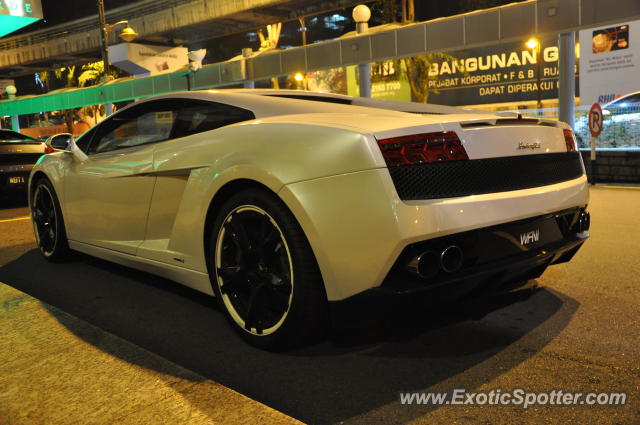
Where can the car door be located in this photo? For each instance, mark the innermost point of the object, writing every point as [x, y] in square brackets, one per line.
[107, 196]
[171, 236]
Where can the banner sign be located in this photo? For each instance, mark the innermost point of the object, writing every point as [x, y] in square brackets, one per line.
[610, 62]
[143, 60]
[500, 73]
[15, 14]
[388, 81]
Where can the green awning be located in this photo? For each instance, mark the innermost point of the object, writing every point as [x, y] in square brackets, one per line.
[121, 90]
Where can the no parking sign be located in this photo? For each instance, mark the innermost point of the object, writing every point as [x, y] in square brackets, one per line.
[595, 120]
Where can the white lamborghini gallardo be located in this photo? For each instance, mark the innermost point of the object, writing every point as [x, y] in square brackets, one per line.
[282, 202]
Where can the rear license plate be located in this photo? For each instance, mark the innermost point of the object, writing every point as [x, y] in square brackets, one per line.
[16, 180]
[535, 234]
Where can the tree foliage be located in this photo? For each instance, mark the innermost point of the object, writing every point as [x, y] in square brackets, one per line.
[420, 80]
[89, 74]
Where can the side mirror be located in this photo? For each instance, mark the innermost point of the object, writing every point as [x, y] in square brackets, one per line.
[59, 141]
[65, 142]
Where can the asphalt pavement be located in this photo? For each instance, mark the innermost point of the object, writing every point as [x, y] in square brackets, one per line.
[579, 332]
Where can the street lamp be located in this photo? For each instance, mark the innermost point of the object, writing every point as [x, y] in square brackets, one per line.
[534, 44]
[128, 34]
[361, 14]
[303, 30]
[300, 81]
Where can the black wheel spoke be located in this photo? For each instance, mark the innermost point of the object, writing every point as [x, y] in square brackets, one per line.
[231, 280]
[270, 245]
[38, 217]
[39, 201]
[276, 280]
[278, 300]
[252, 321]
[238, 234]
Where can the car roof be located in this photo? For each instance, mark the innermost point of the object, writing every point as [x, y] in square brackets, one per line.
[401, 106]
[270, 102]
[622, 98]
[268, 106]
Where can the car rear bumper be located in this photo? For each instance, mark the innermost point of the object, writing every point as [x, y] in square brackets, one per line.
[508, 274]
[358, 227]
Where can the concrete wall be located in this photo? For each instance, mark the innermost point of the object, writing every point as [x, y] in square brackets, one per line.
[614, 166]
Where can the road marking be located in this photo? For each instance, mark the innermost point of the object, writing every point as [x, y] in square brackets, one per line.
[15, 219]
[619, 187]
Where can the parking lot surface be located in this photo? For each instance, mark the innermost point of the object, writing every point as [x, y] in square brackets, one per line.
[91, 342]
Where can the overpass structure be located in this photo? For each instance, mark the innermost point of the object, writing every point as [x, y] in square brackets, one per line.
[167, 22]
[517, 21]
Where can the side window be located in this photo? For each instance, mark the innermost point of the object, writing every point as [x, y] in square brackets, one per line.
[197, 116]
[634, 100]
[85, 138]
[149, 122]
[627, 101]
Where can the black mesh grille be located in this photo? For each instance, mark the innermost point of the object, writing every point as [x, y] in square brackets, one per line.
[19, 158]
[460, 178]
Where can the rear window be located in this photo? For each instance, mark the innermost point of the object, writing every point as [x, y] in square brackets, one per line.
[12, 136]
[314, 98]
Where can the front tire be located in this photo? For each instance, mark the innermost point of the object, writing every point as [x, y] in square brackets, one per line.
[48, 224]
[264, 273]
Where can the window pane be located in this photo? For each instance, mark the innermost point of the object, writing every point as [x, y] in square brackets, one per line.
[201, 116]
[154, 126]
[85, 138]
[13, 136]
[634, 99]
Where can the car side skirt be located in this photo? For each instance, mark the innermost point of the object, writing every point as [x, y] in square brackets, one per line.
[191, 278]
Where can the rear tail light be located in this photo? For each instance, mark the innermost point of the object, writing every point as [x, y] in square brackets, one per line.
[48, 149]
[570, 140]
[422, 148]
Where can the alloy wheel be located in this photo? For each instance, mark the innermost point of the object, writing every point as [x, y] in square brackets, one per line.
[254, 270]
[45, 220]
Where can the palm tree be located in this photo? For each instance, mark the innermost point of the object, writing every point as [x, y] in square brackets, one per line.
[91, 74]
[270, 42]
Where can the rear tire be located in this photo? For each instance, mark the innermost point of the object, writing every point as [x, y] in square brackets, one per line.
[48, 225]
[264, 273]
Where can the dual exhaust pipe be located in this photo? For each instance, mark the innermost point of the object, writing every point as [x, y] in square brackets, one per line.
[429, 263]
[584, 222]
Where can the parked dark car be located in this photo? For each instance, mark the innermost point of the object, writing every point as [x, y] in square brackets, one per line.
[18, 154]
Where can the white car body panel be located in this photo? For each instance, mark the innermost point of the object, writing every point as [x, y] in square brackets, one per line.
[332, 207]
[146, 207]
[118, 219]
